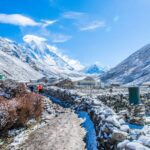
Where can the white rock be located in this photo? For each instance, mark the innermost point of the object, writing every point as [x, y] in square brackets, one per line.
[125, 128]
[135, 146]
[122, 145]
[112, 119]
[147, 120]
[144, 140]
[121, 121]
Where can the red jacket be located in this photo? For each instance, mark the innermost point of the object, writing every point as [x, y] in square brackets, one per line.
[40, 87]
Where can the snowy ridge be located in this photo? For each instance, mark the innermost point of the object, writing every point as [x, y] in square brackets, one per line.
[13, 68]
[43, 59]
[45, 53]
[133, 70]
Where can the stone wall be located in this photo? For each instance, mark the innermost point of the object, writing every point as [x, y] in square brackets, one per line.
[108, 126]
[120, 102]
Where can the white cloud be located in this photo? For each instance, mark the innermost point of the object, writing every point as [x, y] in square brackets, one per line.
[17, 19]
[60, 38]
[83, 20]
[53, 37]
[74, 15]
[29, 38]
[74, 63]
[93, 25]
[46, 23]
[21, 20]
[116, 18]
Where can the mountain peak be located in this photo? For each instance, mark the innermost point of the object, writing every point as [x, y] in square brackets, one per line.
[94, 69]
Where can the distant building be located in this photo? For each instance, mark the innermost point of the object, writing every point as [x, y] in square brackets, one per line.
[147, 84]
[65, 83]
[88, 82]
[115, 84]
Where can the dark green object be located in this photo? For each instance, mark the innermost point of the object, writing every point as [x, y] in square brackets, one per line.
[2, 77]
[134, 95]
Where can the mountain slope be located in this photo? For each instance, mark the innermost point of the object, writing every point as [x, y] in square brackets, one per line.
[93, 69]
[45, 53]
[38, 56]
[133, 70]
[13, 68]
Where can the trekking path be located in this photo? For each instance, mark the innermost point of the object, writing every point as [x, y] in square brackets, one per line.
[61, 133]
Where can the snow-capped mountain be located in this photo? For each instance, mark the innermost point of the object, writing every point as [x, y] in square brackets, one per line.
[93, 69]
[39, 56]
[14, 68]
[45, 53]
[133, 70]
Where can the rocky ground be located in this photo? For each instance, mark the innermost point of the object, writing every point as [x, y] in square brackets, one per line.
[59, 128]
[63, 132]
[117, 125]
[126, 128]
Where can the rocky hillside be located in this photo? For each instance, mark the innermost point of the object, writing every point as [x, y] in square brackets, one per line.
[133, 70]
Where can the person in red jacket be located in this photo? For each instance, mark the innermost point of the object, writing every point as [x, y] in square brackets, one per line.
[40, 88]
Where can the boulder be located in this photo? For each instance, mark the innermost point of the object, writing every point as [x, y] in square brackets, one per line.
[125, 128]
[119, 136]
[135, 146]
[137, 120]
[144, 140]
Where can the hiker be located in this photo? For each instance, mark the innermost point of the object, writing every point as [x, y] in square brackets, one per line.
[40, 88]
[31, 88]
[111, 90]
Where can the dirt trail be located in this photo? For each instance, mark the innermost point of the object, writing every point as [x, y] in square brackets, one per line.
[61, 133]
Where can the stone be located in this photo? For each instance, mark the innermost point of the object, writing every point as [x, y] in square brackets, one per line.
[125, 128]
[106, 130]
[112, 119]
[119, 135]
[137, 120]
[122, 144]
[121, 121]
[147, 120]
[135, 146]
[144, 140]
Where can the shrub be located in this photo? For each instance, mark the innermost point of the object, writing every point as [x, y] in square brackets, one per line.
[30, 106]
[19, 110]
[11, 89]
[7, 114]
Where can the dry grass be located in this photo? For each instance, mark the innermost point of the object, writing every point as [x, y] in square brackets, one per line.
[30, 106]
[17, 111]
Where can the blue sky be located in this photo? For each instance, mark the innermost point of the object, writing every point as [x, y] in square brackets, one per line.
[104, 31]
